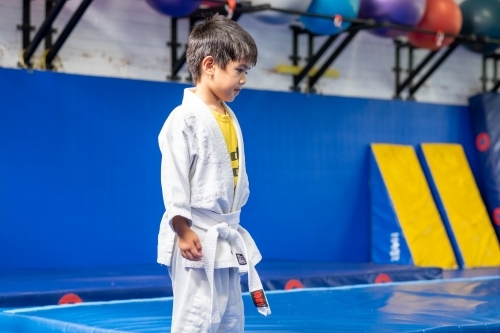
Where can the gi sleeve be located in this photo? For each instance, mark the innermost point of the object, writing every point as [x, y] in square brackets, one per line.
[176, 161]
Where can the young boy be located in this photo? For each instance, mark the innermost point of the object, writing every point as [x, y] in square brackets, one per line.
[204, 184]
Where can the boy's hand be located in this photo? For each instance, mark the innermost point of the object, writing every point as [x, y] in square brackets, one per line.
[188, 241]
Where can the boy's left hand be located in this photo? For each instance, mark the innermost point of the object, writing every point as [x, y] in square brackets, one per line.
[188, 241]
[190, 245]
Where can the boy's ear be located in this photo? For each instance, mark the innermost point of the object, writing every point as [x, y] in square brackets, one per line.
[207, 65]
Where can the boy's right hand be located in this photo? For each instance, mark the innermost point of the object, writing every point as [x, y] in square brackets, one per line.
[188, 241]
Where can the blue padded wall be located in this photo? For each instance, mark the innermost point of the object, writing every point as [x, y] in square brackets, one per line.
[485, 115]
[79, 168]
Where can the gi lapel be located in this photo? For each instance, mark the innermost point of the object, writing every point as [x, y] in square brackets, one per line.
[241, 184]
[200, 109]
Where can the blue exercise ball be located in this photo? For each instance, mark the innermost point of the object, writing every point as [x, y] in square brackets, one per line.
[345, 8]
[175, 8]
[481, 18]
[405, 12]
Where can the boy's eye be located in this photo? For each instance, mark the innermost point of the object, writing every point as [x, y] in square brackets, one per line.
[242, 71]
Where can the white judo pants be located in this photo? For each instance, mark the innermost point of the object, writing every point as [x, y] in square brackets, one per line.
[192, 301]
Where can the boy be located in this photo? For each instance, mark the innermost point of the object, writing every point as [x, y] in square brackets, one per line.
[204, 184]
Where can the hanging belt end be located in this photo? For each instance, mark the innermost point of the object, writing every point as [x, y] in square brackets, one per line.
[260, 301]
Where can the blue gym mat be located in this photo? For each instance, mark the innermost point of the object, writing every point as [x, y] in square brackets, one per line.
[460, 305]
[47, 287]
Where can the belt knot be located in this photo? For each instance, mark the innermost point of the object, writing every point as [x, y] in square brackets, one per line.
[223, 230]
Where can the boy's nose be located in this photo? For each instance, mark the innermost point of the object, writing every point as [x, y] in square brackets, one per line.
[243, 80]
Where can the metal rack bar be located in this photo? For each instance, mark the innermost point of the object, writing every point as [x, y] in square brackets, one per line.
[66, 32]
[312, 61]
[414, 73]
[434, 67]
[331, 59]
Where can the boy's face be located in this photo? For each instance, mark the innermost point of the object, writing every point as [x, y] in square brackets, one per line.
[227, 83]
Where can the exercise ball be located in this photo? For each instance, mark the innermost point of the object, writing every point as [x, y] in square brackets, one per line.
[481, 18]
[440, 15]
[175, 8]
[406, 12]
[276, 18]
[345, 8]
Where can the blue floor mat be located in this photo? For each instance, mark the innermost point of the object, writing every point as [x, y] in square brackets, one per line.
[461, 305]
[47, 287]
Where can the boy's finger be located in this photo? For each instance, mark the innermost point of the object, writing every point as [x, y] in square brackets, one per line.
[195, 256]
[188, 255]
[197, 243]
[195, 252]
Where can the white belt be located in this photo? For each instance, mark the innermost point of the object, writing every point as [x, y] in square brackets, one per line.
[225, 226]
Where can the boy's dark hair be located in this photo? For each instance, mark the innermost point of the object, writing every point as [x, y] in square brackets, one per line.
[221, 38]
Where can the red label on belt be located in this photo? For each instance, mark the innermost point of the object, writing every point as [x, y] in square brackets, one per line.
[259, 298]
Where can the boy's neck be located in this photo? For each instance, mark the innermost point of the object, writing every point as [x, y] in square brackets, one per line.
[209, 98]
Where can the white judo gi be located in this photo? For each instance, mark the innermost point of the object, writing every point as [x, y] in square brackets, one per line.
[197, 183]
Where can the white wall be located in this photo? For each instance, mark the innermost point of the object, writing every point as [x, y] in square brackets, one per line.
[127, 39]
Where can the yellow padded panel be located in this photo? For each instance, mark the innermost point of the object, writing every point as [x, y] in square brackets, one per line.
[463, 204]
[415, 209]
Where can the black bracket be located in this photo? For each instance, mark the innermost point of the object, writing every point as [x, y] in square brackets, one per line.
[26, 26]
[313, 58]
[178, 62]
[494, 57]
[53, 9]
[412, 73]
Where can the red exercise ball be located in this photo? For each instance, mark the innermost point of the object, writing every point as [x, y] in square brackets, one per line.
[440, 15]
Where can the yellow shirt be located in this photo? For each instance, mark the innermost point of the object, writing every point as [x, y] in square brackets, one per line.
[229, 133]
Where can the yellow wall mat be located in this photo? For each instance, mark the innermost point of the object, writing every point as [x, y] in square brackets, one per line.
[415, 210]
[461, 205]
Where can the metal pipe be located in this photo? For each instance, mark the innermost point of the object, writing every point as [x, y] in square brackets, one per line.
[484, 77]
[26, 26]
[49, 5]
[174, 45]
[67, 31]
[310, 45]
[495, 69]
[410, 62]
[295, 46]
[397, 67]
[496, 80]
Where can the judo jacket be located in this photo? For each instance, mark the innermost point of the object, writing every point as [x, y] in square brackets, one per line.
[197, 181]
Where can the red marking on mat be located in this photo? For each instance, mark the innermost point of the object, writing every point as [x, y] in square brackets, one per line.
[483, 141]
[293, 284]
[70, 299]
[383, 278]
[496, 216]
[259, 298]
